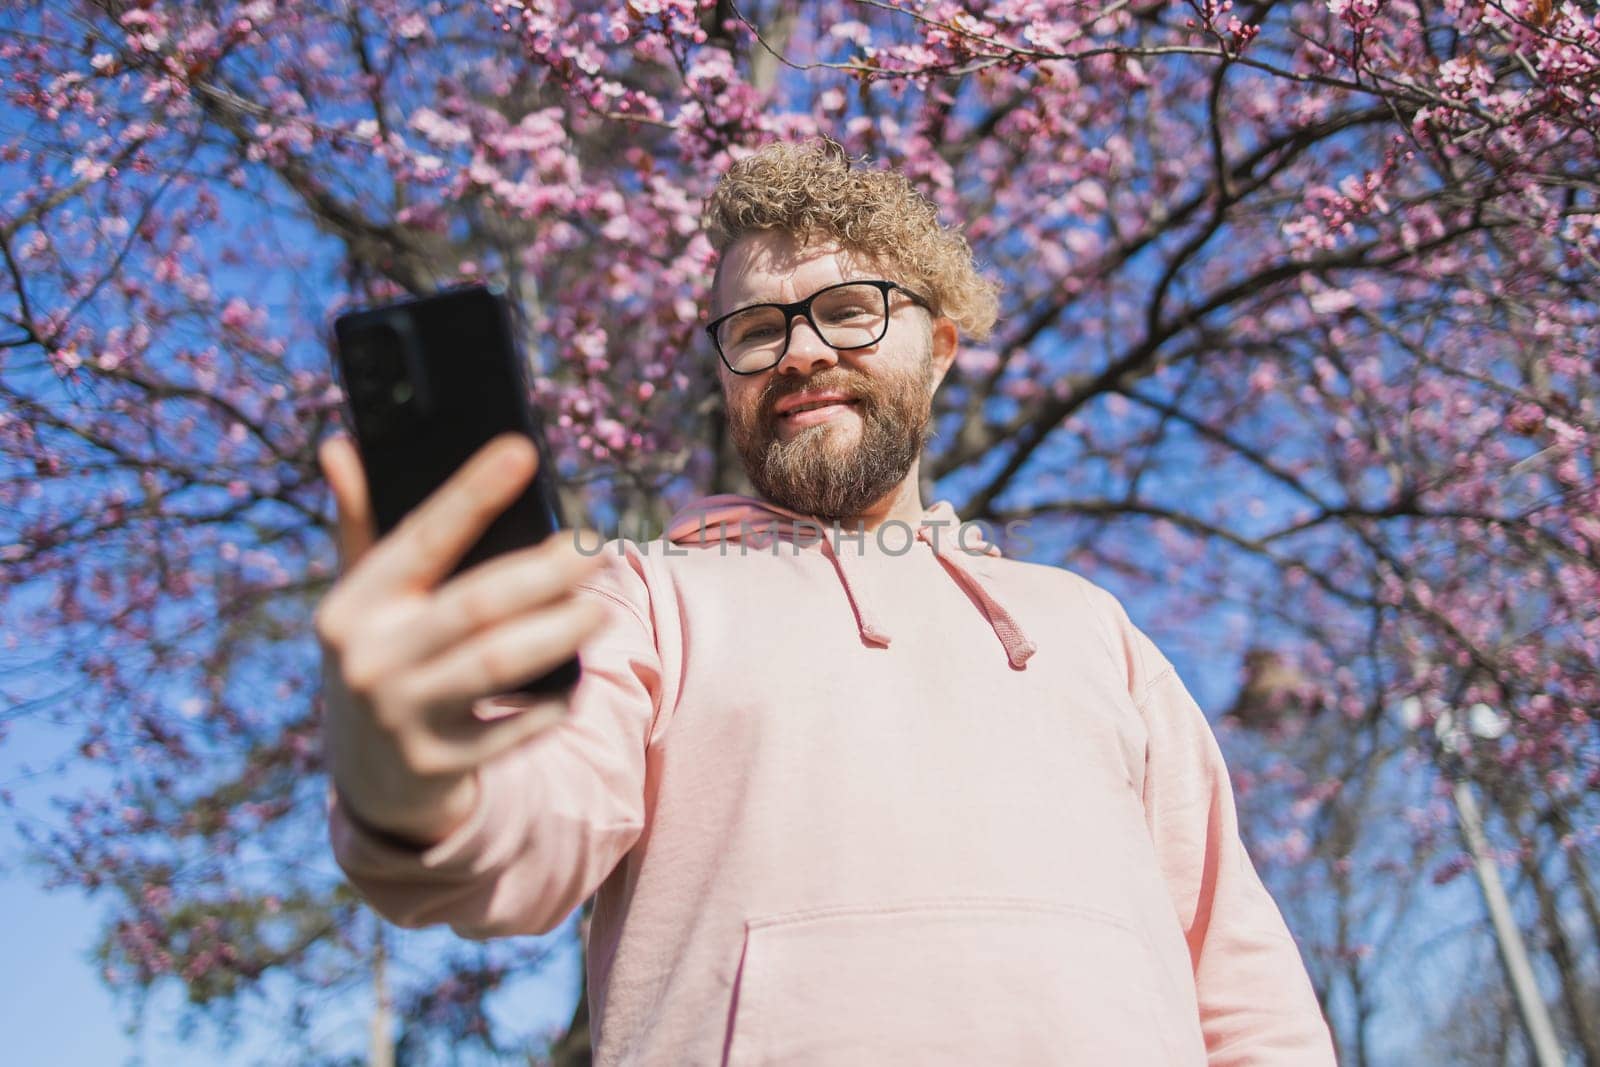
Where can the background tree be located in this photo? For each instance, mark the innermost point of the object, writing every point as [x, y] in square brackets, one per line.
[1297, 355]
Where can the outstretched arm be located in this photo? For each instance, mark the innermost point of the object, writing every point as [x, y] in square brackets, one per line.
[553, 817]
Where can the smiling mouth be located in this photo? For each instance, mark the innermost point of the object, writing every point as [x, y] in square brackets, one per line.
[817, 406]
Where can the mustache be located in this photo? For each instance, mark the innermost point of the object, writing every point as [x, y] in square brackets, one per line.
[849, 384]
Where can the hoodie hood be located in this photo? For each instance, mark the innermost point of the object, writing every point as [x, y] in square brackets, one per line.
[729, 517]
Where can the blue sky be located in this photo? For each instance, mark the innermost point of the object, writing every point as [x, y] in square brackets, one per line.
[55, 1010]
[53, 1007]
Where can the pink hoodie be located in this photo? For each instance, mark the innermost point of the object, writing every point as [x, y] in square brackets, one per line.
[888, 800]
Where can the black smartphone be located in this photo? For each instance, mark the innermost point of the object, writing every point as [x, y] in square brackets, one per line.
[429, 381]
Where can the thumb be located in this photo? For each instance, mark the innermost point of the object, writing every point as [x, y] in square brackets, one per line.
[341, 465]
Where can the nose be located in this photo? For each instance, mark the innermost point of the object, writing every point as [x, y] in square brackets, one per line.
[807, 352]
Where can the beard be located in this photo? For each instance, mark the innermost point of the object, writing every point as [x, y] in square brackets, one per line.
[813, 472]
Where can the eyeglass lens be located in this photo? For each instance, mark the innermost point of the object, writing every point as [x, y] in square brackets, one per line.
[847, 316]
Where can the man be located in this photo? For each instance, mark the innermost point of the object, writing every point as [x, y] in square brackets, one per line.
[849, 787]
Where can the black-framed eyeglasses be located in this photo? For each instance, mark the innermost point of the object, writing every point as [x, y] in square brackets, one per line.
[846, 316]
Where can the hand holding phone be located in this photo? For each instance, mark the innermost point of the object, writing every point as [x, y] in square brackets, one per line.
[409, 651]
[427, 383]
[456, 586]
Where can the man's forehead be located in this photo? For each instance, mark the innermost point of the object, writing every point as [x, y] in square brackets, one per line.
[755, 267]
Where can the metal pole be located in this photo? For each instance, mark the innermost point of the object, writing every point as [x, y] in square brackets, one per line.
[382, 1011]
[1513, 953]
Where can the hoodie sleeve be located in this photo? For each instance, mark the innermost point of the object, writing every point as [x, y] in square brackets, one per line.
[1256, 1002]
[554, 816]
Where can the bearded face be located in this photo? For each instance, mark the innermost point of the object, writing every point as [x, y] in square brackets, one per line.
[839, 466]
[829, 432]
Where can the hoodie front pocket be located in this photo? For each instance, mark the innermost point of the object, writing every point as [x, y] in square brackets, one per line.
[968, 981]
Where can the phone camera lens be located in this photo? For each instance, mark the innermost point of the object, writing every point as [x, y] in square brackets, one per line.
[383, 395]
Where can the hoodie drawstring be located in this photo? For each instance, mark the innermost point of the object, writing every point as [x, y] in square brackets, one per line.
[728, 517]
[866, 618]
[1012, 638]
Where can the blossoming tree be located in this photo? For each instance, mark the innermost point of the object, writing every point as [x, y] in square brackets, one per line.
[1298, 354]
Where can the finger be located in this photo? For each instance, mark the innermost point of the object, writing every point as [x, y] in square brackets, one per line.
[504, 734]
[435, 535]
[341, 465]
[505, 705]
[499, 659]
[503, 588]
[466, 745]
[465, 742]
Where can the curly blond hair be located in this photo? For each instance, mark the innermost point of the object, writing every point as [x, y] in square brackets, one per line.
[810, 189]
